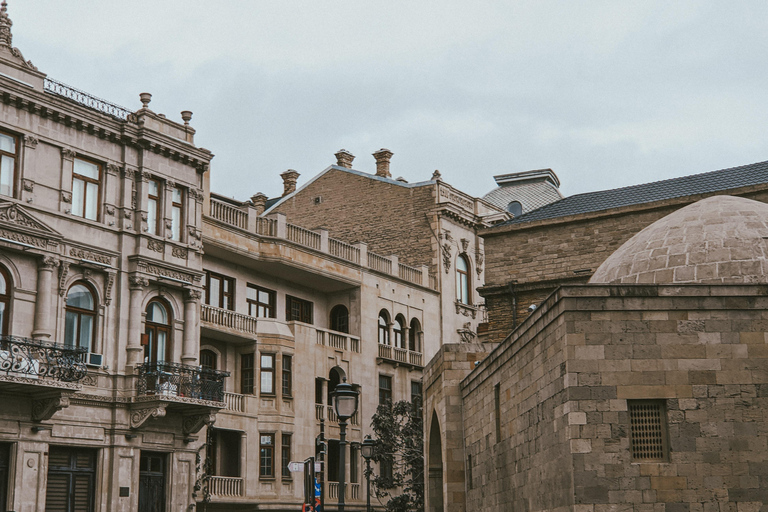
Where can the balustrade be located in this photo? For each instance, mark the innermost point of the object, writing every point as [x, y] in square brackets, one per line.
[36, 359]
[229, 319]
[175, 379]
[225, 486]
[400, 355]
[234, 402]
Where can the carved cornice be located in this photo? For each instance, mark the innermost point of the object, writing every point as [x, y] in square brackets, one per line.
[85, 254]
[164, 271]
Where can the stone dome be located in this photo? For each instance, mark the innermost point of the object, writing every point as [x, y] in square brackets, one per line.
[721, 239]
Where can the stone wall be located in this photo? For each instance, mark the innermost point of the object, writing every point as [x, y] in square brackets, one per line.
[542, 255]
[565, 379]
[391, 218]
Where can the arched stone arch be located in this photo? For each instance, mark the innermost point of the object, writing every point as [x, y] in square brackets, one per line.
[435, 466]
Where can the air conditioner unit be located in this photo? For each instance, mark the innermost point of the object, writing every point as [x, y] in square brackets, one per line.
[95, 359]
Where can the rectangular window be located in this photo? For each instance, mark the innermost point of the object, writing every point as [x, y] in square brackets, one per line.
[285, 454]
[469, 470]
[497, 410]
[267, 374]
[261, 302]
[333, 462]
[86, 177]
[416, 398]
[177, 205]
[287, 377]
[267, 455]
[246, 374]
[153, 206]
[298, 310]
[354, 459]
[385, 389]
[71, 476]
[5, 457]
[647, 419]
[7, 164]
[319, 390]
[219, 291]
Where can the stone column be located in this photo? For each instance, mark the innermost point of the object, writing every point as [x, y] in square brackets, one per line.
[43, 316]
[137, 285]
[190, 347]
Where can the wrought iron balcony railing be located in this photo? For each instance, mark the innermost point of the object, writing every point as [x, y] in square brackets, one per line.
[181, 380]
[85, 99]
[35, 359]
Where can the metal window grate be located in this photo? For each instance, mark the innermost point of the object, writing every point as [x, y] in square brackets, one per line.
[646, 419]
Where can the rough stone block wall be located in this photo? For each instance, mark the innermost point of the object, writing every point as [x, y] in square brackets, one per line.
[565, 381]
[529, 467]
[390, 218]
[708, 359]
[543, 256]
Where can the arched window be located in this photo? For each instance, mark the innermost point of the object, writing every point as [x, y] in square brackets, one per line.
[80, 318]
[399, 332]
[462, 279]
[208, 359]
[5, 301]
[158, 333]
[413, 336]
[383, 327]
[515, 208]
[334, 379]
[340, 319]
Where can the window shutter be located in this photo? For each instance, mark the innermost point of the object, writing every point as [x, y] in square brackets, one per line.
[57, 492]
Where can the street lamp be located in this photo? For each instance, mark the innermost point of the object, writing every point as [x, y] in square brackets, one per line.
[367, 449]
[345, 404]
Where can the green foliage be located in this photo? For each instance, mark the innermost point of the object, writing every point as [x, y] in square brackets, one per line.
[399, 453]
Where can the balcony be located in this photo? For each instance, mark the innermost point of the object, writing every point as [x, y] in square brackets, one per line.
[46, 372]
[400, 357]
[228, 322]
[234, 402]
[181, 380]
[223, 487]
[338, 340]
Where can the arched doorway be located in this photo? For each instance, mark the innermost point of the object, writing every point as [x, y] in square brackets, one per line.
[435, 485]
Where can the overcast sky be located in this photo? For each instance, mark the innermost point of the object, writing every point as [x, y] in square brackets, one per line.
[607, 94]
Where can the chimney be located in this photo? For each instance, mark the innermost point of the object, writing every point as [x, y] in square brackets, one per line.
[382, 157]
[344, 158]
[259, 202]
[289, 181]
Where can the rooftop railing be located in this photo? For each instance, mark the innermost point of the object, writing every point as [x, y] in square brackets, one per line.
[35, 359]
[85, 99]
[181, 380]
[244, 216]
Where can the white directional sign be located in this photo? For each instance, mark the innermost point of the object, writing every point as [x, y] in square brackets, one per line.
[298, 467]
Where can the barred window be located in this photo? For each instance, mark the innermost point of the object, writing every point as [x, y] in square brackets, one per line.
[647, 420]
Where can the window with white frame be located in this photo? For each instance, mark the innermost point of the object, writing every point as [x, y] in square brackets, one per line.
[8, 159]
[86, 179]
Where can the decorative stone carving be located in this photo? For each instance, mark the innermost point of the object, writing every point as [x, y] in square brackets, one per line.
[90, 379]
[44, 409]
[447, 257]
[109, 209]
[67, 154]
[144, 216]
[28, 185]
[76, 252]
[127, 214]
[128, 173]
[465, 309]
[466, 333]
[194, 295]
[170, 184]
[479, 260]
[108, 287]
[63, 271]
[168, 223]
[166, 272]
[66, 196]
[155, 245]
[13, 214]
[193, 424]
[464, 245]
[49, 262]
[113, 169]
[194, 233]
[30, 141]
[138, 282]
[179, 252]
[140, 416]
[436, 175]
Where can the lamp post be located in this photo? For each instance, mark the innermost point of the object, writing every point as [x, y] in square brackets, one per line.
[367, 449]
[345, 404]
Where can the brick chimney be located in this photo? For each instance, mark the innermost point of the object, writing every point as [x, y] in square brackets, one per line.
[382, 157]
[344, 158]
[289, 181]
[259, 202]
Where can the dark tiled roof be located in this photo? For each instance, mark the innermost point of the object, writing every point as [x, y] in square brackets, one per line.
[714, 181]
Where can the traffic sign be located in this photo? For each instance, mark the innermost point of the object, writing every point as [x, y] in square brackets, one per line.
[298, 467]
